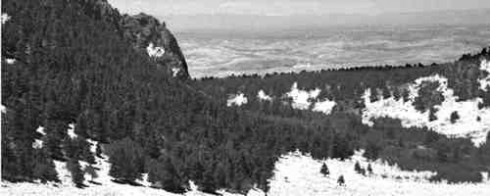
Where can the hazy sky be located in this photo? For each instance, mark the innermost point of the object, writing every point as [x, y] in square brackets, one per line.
[290, 7]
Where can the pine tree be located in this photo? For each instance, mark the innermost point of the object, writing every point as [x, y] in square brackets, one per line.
[56, 135]
[127, 160]
[98, 150]
[90, 170]
[44, 168]
[324, 170]
[220, 175]
[84, 150]
[208, 184]
[77, 173]
[341, 180]
[405, 95]
[357, 167]
[374, 95]
[163, 174]
[370, 169]
[454, 117]
[432, 114]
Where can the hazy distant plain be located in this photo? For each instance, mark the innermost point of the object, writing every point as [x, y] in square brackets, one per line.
[220, 54]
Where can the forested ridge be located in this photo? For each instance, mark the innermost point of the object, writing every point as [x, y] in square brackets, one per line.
[69, 62]
[348, 84]
[73, 66]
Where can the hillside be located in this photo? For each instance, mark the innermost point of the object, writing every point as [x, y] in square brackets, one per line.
[70, 63]
[88, 93]
[424, 117]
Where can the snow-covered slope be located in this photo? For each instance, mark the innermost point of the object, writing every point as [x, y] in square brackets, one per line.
[298, 174]
[473, 122]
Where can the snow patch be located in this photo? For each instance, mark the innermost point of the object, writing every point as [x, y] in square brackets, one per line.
[485, 177]
[4, 18]
[93, 145]
[238, 100]
[302, 98]
[71, 131]
[262, 96]
[40, 130]
[298, 174]
[37, 144]
[255, 192]
[144, 180]
[252, 192]
[467, 126]
[10, 61]
[193, 189]
[155, 51]
[325, 106]
[3, 109]
[485, 82]
[175, 71]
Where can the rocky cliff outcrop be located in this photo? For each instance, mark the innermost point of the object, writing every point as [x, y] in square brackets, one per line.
[146, 32]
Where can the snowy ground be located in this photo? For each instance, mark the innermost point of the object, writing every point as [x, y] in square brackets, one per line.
[474, 123]
[106, 187]
[298, 174]
[295, 174]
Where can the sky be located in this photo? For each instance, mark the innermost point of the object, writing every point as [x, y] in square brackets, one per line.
[291, 7]
[260, 15]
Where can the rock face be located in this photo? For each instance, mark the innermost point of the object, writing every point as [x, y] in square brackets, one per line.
[146, 32]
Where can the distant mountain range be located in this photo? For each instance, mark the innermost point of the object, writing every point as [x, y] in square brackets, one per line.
[258, 23]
